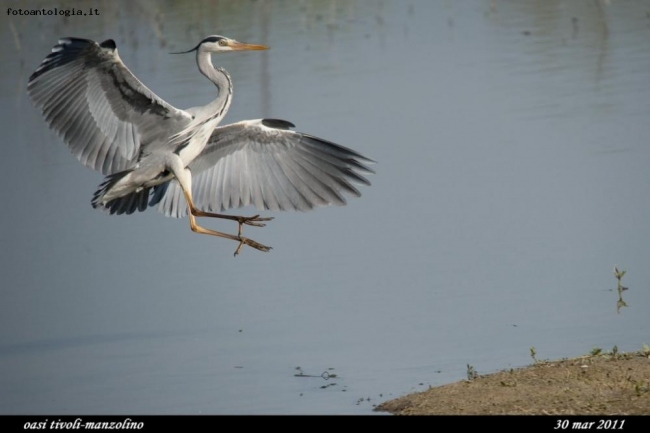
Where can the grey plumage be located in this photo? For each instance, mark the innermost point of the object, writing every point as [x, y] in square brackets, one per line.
[100, 109]
[154, 154]
[272, 168]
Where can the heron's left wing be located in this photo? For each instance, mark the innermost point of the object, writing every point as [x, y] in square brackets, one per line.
[264, 163]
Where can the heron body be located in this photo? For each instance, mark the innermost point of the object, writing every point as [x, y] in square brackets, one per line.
[182, 161]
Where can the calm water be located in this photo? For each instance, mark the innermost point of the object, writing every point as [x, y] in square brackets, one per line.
[512, 147]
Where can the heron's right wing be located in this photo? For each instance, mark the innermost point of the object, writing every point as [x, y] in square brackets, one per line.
[264, 163]
[104, 114]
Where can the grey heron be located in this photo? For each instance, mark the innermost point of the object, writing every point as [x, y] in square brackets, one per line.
[181, 161]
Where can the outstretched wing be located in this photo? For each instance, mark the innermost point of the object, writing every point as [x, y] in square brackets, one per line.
[264, 163]
[104, 114]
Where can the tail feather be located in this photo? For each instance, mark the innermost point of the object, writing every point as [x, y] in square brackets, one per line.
[135, 201]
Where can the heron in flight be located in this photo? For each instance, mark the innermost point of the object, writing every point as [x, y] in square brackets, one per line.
[181, 161]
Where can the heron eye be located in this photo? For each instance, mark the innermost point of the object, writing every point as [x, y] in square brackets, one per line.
[223, 42]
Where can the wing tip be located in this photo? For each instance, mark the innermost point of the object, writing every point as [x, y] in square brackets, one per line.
[65, 51]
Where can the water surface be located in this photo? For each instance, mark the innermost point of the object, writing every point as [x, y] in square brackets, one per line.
[512, 175]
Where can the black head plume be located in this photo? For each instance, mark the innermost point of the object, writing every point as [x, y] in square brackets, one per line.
[208, 39]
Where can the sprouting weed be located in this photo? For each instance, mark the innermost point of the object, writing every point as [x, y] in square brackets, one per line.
[471, 373]
[619, 276]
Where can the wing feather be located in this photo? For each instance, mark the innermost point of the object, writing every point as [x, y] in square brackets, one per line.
[264, 163]
[104, 114]
[304, 182]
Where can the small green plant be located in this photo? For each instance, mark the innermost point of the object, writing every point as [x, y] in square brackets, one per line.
[596, 351]
[471, 373]
[641, 388]
[619, 276]
[533, 354]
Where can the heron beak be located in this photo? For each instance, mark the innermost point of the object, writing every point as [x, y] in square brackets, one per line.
[240, 46]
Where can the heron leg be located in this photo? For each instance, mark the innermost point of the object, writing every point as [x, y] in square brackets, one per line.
[241, 239]
[251, 221]
[184, 177]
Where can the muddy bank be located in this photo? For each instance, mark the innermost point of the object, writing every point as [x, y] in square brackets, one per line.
[609, 384]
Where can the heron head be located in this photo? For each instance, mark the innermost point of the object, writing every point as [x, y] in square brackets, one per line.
[220, 44]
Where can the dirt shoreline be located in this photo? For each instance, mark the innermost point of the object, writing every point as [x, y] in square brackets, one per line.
[602, 384]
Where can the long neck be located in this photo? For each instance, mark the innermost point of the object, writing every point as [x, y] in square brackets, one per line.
[221, 79]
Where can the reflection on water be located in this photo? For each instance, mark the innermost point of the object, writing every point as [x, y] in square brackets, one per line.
[512, 147]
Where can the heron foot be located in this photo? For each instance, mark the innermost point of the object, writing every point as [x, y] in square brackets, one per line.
[251, 243]
[253, 221]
